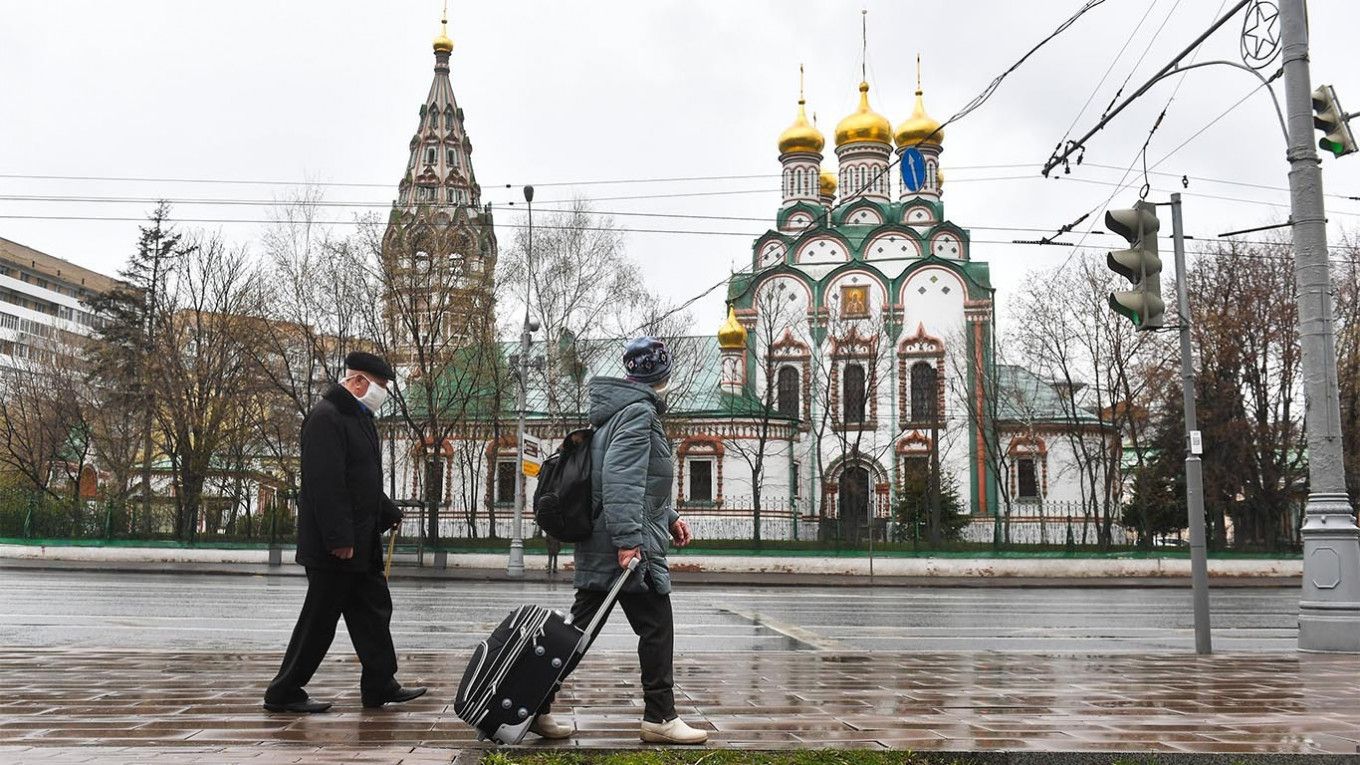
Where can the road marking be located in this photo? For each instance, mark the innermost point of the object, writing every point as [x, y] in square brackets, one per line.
[797, 634]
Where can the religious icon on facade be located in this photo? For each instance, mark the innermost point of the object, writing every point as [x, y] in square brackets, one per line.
[854, 301]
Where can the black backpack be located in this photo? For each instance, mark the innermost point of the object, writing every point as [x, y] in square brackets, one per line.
[563, 501]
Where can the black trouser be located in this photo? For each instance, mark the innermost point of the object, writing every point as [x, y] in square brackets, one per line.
[650, 616]
[363, 599]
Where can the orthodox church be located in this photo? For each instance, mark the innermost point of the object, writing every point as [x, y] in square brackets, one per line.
[856, 359]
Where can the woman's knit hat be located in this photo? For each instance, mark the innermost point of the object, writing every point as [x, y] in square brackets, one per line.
[647, 361]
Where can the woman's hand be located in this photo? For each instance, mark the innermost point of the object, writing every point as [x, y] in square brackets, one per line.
[628, 553]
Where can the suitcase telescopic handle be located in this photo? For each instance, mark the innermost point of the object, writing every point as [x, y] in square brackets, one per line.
[588, 635]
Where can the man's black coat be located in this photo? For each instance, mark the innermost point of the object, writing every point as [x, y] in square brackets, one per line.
[342, 503]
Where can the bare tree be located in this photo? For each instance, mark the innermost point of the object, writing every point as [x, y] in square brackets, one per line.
[1103, 374]
[777, 400]
[1346, 275]
[1257, 413]
[429, 276]
[203, 369]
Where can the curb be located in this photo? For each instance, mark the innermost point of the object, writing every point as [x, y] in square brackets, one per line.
[700, 578]
[475, 755]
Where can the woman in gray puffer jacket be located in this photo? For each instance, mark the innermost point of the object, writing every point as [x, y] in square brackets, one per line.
[632, 477]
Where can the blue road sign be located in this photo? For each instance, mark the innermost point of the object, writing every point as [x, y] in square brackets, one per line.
[913, 169]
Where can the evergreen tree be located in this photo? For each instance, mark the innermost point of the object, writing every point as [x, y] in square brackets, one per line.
[123, 358]
[913, 509]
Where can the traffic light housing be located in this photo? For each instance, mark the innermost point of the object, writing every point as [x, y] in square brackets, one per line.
[1139, 264]
[1332, 120]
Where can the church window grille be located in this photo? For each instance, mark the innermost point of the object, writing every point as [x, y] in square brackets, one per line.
[1027, 477]
[788, 393]
[453, 196]
[924, 390]
[795, 481]
[451, 157]
[505, 482]
[429, 155]
[701, 480]
[853, 394]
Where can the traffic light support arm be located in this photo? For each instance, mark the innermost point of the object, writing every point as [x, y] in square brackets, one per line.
[1173, 67]
[1073, 146]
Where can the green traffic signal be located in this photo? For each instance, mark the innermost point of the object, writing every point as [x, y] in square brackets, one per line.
[1332, 120]
[1139, 264]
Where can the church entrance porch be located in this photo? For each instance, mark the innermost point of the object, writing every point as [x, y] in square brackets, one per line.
[852, 499]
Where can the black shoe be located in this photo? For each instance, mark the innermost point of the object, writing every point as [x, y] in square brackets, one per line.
[303, 707]
[393, 695]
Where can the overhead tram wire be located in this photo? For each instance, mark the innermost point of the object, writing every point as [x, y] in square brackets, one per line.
[955, 180]
[392, 186]
[1108, 70]
[520, 210]
[1142, 154]
[970, 107]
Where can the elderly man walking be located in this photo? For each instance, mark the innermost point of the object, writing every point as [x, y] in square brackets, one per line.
[631, 482]
[342, 512]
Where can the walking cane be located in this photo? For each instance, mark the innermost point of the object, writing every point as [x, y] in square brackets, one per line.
[391, 548]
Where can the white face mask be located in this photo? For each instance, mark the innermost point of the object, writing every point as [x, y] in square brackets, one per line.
[662, 389]
[374, 397]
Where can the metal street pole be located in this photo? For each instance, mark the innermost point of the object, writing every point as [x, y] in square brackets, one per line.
[1329, 606]
[515, 568]
[1194, 478]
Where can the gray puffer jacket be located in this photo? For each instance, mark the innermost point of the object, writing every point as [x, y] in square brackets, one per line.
[632, 476]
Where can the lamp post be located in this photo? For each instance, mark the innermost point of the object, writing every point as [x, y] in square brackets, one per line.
[515, 568]
[1329, 607]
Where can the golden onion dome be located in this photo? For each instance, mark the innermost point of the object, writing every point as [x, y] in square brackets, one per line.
[919, 128]
[939, 178]
[732, 336]
[828, 183]
[865, 124]
[442, 42]
[801, 135]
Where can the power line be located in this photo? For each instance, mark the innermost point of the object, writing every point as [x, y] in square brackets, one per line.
[393, 186]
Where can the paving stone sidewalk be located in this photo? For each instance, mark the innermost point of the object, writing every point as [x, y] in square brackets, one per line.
[144, 705]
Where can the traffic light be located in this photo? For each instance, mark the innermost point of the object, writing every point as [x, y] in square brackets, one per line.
[1139, 264]
[1332, 120]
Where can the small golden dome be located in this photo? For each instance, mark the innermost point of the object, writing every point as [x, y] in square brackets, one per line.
[865, 124]
[939, 177]
[732, 336]
[801, 135]
[828, 183]
[919, 128]
[442, 43]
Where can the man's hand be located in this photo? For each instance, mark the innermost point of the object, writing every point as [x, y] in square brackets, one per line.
[628, 553]
[680, 533]
[343, 553]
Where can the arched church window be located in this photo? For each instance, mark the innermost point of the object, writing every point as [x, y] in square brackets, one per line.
[451, 157]
[448, 118]
[924, 390]
[852, 394]
[429, 155]
[787, 392]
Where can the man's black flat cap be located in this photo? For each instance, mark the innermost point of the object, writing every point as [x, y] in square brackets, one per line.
[362, 361]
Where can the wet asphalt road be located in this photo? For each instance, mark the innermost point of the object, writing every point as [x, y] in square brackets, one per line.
[64, 609]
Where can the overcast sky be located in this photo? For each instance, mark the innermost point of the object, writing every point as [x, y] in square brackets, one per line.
[558, 93]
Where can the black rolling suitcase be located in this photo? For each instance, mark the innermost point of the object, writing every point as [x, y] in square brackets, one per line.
[527, 657]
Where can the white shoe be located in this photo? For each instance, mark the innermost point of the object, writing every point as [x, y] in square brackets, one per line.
[673, 732]
[546, 727]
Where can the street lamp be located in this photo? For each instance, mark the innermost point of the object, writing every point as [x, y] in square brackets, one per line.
[515, 567]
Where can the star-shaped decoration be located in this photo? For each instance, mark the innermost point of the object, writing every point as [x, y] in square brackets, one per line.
[1261, 34]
